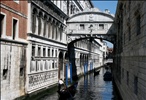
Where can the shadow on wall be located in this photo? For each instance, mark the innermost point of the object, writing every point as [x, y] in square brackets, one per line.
[71, 54]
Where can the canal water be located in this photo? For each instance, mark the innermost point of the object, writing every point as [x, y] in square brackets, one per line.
[90, 87]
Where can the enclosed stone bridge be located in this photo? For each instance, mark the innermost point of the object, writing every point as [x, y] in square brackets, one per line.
[87, 30]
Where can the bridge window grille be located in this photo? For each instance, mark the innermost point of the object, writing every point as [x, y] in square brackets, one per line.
[101, 26]
[82, 27]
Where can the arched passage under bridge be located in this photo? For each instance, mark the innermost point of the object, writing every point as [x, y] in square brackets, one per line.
[71, 49]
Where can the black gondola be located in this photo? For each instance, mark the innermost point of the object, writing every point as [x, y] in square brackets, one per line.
[68, 92]
[107, 76]
[96, 72]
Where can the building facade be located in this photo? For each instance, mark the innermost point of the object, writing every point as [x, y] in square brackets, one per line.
[130, 49]
[47, 44]
[47, 54]
[13, 26]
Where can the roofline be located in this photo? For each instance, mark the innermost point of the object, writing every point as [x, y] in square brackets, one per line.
[91, 12]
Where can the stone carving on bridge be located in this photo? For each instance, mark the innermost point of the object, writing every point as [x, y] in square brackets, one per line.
[91, 17]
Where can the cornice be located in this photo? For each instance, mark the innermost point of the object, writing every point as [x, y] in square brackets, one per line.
[43, 38]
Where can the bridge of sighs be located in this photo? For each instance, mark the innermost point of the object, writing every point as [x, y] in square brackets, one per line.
[85, 34]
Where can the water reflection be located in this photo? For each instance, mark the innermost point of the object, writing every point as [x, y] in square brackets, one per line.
[91, 87]
[94, 88]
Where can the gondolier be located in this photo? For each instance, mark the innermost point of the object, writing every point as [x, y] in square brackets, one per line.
[60, 82]
[67, 92]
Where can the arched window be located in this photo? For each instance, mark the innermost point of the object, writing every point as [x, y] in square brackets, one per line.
[53, 25]
[60, 31]
[34, 15]
[49, 28]
[57, 31]
[39, 23]
[45, 26]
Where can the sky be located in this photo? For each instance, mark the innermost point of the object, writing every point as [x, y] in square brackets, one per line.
[106, 4]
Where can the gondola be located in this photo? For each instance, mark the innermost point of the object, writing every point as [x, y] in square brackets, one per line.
[107, 76]
[68, 92]
[96, 72]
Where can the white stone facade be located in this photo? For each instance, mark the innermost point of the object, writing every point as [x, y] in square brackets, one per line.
[47, 54]
[47, 41]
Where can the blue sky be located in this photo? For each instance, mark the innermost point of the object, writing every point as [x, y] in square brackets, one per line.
[106, 4]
